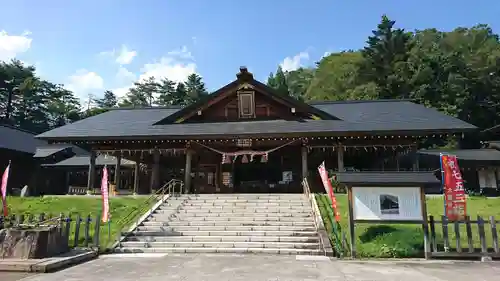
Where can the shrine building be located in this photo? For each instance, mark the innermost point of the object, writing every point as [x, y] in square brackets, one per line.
[247, 138]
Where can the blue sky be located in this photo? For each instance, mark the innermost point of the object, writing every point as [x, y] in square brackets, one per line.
[94, 45]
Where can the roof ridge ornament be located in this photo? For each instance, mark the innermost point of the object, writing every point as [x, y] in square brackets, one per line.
[244, 75]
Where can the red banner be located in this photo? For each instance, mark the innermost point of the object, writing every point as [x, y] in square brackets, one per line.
[105, 195]
[454, 191]
[329, 189]
[3, 190]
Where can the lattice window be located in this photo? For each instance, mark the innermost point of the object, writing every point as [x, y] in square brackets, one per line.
[244, 142]
[246, 104]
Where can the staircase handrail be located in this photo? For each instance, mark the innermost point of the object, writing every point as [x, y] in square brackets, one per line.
[167, 189]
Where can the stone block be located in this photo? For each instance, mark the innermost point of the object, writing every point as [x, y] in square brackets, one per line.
[32, 243]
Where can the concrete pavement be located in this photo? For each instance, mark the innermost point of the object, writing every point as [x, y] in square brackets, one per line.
[219, 267]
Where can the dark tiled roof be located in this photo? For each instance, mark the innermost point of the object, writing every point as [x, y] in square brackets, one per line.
[467, 154]
[82, 161]
[48, 150]
[390, 111]
[358, 117]
[18, 140]
[387, 178]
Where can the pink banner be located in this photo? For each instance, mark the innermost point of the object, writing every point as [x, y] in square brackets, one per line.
[454, 191]
[329, 189]
[3, 189]
[105, 195]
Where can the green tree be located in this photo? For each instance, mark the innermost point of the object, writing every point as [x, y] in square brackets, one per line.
[195, 88]
[108, 101]
[385, 60]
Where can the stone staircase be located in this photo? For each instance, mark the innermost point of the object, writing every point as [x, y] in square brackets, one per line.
[228, 223]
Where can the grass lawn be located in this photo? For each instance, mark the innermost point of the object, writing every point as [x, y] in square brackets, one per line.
[395, 241]
[71, 206]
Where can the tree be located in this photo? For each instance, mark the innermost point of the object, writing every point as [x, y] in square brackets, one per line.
[385, 60]
[181, 95]
[195, 88]
[298, 82]
[108, 101]
[167, 94]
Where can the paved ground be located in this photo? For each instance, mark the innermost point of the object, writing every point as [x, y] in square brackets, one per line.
[254, 268]
[13, 276]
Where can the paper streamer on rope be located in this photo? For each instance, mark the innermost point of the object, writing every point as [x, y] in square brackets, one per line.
[244, 153]
[244, 159]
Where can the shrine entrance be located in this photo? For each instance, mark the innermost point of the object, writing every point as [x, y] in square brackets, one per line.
[271, 169]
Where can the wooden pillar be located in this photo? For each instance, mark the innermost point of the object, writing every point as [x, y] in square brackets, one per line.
[187, 171]
[118, 171]
[155, 173]
[340, 158]
[351, 221]
[425, 223]
[136, 175]
[304, 163]
[91, 173]
[416, 163]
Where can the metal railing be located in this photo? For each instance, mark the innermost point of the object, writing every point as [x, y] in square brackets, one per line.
[172, 188]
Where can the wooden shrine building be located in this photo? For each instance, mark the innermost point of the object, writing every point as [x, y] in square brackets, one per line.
[247, 138]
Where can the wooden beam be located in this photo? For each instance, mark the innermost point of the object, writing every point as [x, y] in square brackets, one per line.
[340, 158]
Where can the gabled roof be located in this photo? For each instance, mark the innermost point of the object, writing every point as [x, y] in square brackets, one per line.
[375, 179]
[245, 77]
[83, 161]
[12, 138]
[466, 154]
[51, 149]
[338, 118]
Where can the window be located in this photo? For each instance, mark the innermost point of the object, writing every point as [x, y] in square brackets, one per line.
[246, 104]
[389, 204]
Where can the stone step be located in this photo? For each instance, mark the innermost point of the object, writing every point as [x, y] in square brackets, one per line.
[242, 201]
[245, 196]
[233, 211]
[243, 205]
[222, 250]
[165, 217]
[228, 223]
[225, 228]
[179, 244]
[235, 207]
[238, 214]
[222, 233]
[289, 239]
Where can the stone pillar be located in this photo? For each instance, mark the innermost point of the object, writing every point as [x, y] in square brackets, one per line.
[155, 173]
[340, 158]
[136, 175]
[187, 171]
[118, 171]
[91, 174]
[304, 163]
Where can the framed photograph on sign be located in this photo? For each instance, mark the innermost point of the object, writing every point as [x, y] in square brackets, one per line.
[389, 204]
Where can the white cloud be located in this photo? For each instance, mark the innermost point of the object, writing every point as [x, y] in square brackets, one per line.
[85, 82]
[293, 63]
[182, 53]
[13, 45]
[125, 76]
[168, 67]
[176, 65]
[123, 56]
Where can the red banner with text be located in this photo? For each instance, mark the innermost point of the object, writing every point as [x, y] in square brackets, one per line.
[454, 190]
[329, 189]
